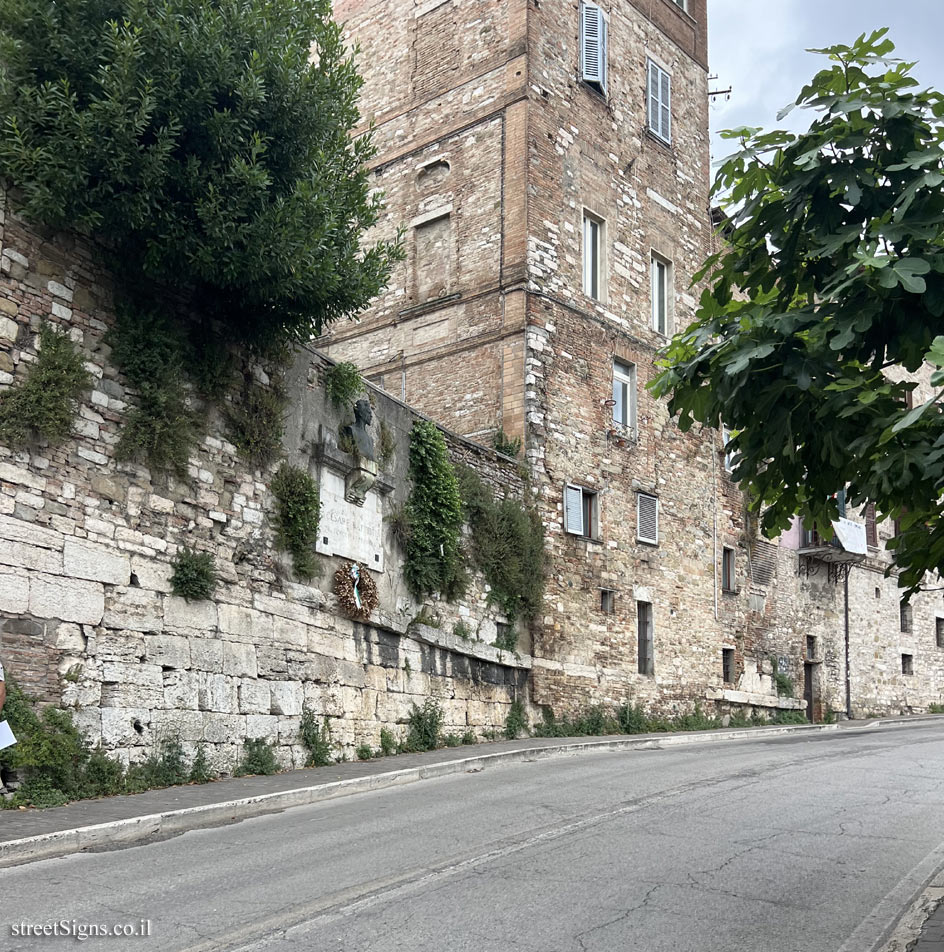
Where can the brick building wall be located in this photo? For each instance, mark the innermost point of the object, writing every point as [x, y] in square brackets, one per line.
[509, 139]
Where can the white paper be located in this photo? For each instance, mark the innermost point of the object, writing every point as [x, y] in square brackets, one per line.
[6, 735]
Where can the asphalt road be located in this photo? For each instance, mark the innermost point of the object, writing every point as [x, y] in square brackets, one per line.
[795, 844]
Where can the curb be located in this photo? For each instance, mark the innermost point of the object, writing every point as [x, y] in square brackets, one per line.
[128, 832]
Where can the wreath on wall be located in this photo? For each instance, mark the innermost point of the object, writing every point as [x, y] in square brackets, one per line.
[356, 590]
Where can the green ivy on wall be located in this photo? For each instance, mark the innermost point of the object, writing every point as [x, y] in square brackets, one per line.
[298, 512]
[507, 546]
[433, 556]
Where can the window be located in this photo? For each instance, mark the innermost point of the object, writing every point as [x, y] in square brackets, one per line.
[906, 613]
[660, 102]
[644, 636]
[593, 40]
[727, 665]
[729, 455]
[810, 647]
[939, 631]
[581, 513]
[661, 275]
[907, 664]
[647, 518]
[841, 503]
[727, 570]
[593, 285]
[607, 601]
[871, 529]
[624, 395]
[679, 3]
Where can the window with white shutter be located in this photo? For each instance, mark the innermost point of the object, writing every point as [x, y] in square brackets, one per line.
[660, 102]
[593, 42]
[581, 516]
[647, 518]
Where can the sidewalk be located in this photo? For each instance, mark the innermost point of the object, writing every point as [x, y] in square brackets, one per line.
[27, 835]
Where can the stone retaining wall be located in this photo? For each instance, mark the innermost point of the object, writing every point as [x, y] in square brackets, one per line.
[87, 615]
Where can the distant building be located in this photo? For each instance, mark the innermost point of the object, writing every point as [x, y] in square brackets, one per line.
[550, 163]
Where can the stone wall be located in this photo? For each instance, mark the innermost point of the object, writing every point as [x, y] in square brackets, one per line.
[87, 614]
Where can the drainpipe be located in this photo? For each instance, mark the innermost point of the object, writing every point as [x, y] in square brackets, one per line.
[714, 522]
[846, 620]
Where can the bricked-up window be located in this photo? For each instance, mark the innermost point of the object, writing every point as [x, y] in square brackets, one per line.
[907, 664]
[593, 43]
[436, 258]
[727, 570]
[607, 601]
[645, 638]
[727, 665]
[647, 518]
[939, 631]
[661, 280]
[593, 284]
[660, 102]
[581, 512]
[871, 527]
[906, 614]
[435, 50]
[624, 395]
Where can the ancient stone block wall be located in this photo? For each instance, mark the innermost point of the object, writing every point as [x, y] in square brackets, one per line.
[87, 615]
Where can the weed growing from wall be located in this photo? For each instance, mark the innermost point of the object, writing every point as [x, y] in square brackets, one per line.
[258, 758]
[42, 405]
[425, 727]
[151, 351]
[506, 445]
[194, 575]
[298, 511]
[388, 743]
[507, 546]
[388, 445]
[316, 739]
[433, 558]
[342, 383]
[255, 421]
[516, 723]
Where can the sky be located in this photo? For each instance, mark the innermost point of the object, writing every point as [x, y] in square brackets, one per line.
[758, 48]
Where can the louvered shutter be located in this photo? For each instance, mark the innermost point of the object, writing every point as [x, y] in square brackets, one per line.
[660, 102]
[665, 107]
[871, 530]
[647, 518]
[573, 510]
[593, 45]
[653, 97]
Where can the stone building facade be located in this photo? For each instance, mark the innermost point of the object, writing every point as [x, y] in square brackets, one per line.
[88, 618]
[549, 161]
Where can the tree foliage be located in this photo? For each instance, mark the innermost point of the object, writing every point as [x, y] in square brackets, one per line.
[830, 279]
[209, 143]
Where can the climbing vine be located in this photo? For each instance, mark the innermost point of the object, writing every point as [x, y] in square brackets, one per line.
[298, 512]
[433, 555]
[507, 546]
